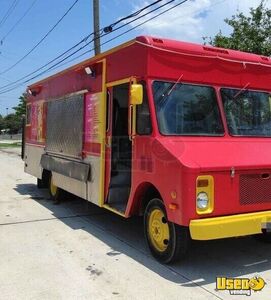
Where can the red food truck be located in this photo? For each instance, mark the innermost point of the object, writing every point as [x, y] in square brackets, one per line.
[174, 131]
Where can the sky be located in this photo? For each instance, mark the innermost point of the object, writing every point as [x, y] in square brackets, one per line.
[188, 22]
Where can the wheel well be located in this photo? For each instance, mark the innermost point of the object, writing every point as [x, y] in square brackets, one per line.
[146, 193]
[45, 177]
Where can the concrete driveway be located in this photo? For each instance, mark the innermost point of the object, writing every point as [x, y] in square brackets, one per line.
[76, 250]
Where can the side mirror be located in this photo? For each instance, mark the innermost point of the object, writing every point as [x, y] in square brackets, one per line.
[136, 94]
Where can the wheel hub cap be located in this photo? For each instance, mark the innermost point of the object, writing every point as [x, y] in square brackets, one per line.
[158, 230]
[53, 188]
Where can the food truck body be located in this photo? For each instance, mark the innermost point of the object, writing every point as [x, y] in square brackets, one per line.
[177, 132]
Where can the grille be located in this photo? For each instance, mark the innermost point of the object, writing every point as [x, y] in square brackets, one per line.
[255, 188]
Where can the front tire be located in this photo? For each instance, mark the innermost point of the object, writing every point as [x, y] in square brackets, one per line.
[168, 242]
[264, 237]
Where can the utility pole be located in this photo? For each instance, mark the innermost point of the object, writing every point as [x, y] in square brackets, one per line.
[96, 26]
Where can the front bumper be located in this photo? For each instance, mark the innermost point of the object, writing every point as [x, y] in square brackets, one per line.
[230, 226]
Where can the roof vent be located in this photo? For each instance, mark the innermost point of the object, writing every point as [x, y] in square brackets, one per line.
[265, 58]
[217, 50]
[160, 41]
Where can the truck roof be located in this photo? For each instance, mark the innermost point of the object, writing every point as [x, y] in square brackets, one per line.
[178, 47]
[203, 50]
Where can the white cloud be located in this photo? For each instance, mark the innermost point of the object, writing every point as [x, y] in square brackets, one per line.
[182, 22]
[193, 19]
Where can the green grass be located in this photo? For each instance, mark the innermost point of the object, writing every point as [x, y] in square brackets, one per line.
[10, 145]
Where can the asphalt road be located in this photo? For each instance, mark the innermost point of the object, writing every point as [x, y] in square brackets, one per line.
[76, 250]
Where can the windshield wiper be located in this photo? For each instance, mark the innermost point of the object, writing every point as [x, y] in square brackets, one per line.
[165, 95]
[175, 84]
[243, 89]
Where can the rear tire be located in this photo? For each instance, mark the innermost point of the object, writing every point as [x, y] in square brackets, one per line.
[40, 184]
[56, 193]
[168, 242]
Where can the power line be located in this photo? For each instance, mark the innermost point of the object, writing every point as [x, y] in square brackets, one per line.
[103, 30]
[56, 65]
[18, 22]
[119, 35]
[110, 27]
[48, 63]
[106, 33]
[127, 31]
[43, 38]
[5, 78]
[9, 12]
[142, 16]
[60, 64]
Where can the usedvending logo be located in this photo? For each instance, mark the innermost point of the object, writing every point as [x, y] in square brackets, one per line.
[240, 286]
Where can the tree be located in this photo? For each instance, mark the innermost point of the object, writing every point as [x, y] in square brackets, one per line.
[13, 123]
[250, 33]
[20, 109]
[2, 123]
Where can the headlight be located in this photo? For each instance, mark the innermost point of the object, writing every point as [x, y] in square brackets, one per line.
[202, 200]
[204, 194]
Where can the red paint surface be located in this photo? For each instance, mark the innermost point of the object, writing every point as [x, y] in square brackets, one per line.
[173, 163]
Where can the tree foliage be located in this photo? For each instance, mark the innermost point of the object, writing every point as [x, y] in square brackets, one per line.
[12, 123]
[250, 33]
[2, 123]
[20, 109]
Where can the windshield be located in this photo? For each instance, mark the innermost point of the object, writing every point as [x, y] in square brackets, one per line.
[184, 109]
[248, 112]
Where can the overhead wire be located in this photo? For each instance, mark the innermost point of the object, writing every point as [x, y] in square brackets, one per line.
[41, 40]
[18, 22]
[103, 32]
[127, 31]
[9, 12]
[106, 33]
[110, 27]
[124, 18]
[57, 65]
[119, 35]
[59, 56]
[218, 2]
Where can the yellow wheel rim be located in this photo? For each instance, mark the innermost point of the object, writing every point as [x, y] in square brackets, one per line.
[53, 188]
[158, 230]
